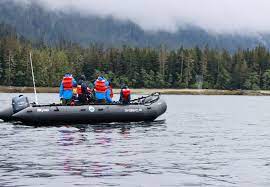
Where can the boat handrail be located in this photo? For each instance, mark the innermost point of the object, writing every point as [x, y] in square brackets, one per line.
[143, 100]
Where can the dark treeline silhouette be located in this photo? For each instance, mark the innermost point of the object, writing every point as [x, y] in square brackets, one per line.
[137, 67]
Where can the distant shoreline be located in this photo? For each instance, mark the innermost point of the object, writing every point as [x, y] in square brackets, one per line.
[5, 89]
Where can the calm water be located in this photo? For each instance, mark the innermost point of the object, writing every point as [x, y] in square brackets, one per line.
[205, 141]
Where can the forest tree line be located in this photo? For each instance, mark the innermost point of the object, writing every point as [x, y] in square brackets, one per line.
[136, 67]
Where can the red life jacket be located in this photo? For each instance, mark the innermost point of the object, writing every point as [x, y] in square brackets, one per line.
[126, 93]
[111, 94]
[100, 86]
[67, 83]
[79, 89]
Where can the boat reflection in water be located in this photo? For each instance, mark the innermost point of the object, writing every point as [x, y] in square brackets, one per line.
[96, 141]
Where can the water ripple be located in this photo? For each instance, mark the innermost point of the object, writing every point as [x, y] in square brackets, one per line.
[199, 144]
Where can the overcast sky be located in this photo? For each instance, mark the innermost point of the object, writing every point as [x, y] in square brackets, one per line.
[221, 16]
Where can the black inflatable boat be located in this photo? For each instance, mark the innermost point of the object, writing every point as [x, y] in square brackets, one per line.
[142, 109]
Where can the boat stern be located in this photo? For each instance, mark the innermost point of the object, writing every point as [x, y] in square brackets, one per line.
[6, 114]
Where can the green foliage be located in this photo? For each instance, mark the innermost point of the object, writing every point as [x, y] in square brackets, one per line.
[252, 81]
[266, 80]
[136, 67]
[223, 78]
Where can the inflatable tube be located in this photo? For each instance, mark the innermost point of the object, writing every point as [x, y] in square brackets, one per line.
[6, 114]
[91, 113]
[141, 110]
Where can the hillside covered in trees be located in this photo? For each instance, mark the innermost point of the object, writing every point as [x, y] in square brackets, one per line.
[137, 67]
[38, 24]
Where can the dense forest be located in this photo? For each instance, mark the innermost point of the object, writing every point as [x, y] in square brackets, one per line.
[36, 23]
[137, 67]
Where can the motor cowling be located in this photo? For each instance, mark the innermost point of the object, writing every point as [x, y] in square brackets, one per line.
[19, 103]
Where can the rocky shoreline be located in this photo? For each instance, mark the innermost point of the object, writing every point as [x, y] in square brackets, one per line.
[4, 89]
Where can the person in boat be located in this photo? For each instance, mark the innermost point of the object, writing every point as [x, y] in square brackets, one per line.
[82, 90]
[109, 93]
[101, 86]
[91, 92]
[75, 94]
[66, 89]
[111, 89]
[125, 95]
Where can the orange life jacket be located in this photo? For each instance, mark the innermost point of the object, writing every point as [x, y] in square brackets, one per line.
[79, 89]
[67, 83]
[111, 94]
[126, 93]
[100, 86]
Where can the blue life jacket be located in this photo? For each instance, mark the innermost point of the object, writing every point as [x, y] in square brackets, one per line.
[108, 95]
[64, 91]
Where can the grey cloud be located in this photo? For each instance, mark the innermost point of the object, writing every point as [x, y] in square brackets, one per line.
[217, 16]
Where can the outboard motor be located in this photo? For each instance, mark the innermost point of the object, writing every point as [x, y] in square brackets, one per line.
[19, 103]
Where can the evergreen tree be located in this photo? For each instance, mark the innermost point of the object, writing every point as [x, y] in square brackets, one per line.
[252, 81]
[266, 80]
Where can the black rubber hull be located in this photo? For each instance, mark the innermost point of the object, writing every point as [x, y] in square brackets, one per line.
[90, 114]
[6, 114]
